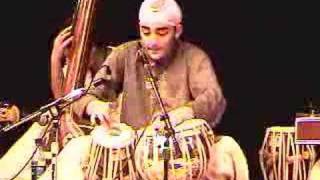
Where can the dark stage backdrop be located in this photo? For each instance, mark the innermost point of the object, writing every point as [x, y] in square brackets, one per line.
[265, 55]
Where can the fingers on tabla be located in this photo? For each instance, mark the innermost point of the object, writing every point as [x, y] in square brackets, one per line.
[94, 120]
[103, 120]
[106, 121]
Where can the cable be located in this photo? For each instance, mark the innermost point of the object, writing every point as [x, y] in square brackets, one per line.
[32, 155]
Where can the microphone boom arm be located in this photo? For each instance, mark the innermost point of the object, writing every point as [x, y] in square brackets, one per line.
[56, 106]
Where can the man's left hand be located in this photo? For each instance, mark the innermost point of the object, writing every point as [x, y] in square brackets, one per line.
[176, 116]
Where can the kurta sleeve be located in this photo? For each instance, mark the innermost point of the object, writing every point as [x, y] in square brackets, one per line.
[208, 100]
[112, 72]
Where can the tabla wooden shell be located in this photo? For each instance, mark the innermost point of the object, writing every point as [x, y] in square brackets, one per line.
[194, 138]
[111, 154]
[282, 159]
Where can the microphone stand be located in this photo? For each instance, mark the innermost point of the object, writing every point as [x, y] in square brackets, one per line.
[168, 129]
[56, 106]
[54, 109]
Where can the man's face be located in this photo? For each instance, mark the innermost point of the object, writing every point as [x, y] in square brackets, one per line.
[158, 40]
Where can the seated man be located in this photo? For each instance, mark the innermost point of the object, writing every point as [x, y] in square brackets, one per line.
[186, 81]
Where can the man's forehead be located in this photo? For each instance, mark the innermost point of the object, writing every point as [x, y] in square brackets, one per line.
[155, 26]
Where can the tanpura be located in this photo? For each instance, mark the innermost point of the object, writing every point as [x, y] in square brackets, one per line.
[79, 53]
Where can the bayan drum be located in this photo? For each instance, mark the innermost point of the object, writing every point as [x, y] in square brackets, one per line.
[111, 154]
[282, 159]
[194, 138]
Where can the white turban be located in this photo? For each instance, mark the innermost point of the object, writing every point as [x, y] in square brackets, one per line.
[160, 12]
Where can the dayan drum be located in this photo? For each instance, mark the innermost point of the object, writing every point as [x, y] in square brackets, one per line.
[282, 159]
[111, 154]
[194, 137]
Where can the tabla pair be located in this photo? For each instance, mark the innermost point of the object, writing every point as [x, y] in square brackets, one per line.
[129, 154]
[283, 159]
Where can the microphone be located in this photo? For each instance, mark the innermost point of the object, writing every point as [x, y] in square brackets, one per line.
[147, 61]
[143, 54]
[72, 96]
[56, 106]
[77, 93]
[52, 109]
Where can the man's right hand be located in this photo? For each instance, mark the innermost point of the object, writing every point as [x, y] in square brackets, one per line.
[100, 111]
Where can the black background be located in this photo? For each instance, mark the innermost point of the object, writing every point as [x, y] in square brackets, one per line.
[265, 53]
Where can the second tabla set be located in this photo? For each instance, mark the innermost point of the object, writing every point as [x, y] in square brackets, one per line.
[282, 159]
[127, 154]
